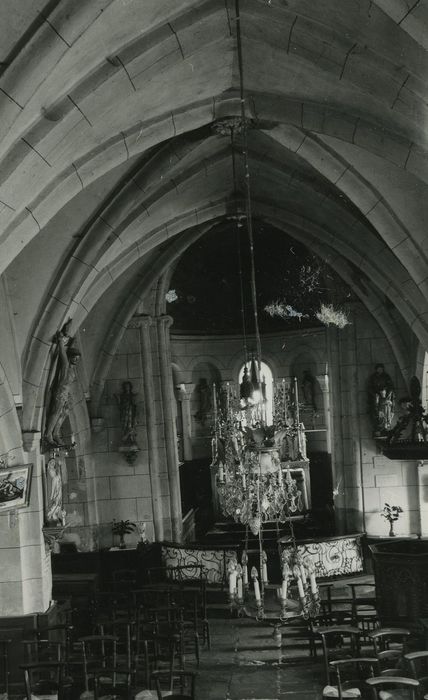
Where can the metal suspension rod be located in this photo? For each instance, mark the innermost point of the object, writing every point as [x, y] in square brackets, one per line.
[247, 186]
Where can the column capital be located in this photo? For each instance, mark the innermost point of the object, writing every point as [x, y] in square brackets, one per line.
[165, 320]
[184, 391]
[143, 321]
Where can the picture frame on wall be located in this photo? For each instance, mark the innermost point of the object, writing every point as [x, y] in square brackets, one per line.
[15, 486]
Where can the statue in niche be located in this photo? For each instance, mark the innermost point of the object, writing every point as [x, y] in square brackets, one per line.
[381, 401]
[308, 389]
[128, 414]
[55, 513]
[204, 396]
[67, 357]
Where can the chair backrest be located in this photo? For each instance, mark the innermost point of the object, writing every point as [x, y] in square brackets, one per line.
[108, 680]
[44, 678]
[179, 685]
[352, 673]
[416, 664]
[123, 630]
[338, 641]
[389, 645]
[38, 650]
[124, 579]
[391, 683]
[98, 651]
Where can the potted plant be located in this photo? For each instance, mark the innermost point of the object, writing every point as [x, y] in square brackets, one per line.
[122, 528]
[391, 514]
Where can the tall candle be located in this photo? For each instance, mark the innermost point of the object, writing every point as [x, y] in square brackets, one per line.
[254, 576]
[257, 591]
[313, 583]
[240, 591]
[300, 588]
[284, 586]
[220, 473]
[245, 574]
[232, 582]
[303, 573]
[264, 568]
[264, 572]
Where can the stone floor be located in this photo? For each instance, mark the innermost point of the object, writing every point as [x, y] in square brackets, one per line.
[245, 663]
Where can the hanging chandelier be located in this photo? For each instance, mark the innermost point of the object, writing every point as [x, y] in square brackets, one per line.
[253, 460]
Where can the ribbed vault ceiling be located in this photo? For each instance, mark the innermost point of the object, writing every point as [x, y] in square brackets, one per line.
[110, 167]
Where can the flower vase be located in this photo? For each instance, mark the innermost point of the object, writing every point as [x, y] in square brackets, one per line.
[391, 529]
[122, 544]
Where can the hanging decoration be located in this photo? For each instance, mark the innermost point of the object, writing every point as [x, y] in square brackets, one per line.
[253, 460]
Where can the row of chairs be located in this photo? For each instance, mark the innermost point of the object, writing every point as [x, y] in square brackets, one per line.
[95, 663]
[351, 666]
[137, 643]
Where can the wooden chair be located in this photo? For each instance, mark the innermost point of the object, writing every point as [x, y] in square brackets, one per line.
[45, 680]
[123, 630]
[159, 654]
[389, 646]
[98, 651]
[364, 610]
[178, 685]
[42, 650]
[416, 663]
[113, 684]
[338, 642]
[393, 688]
[349, 677]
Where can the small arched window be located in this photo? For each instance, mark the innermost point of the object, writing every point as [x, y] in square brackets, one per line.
[266, 376]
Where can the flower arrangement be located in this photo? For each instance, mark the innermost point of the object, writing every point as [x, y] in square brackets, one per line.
[330, 316]
[391, 514]
[122, 528]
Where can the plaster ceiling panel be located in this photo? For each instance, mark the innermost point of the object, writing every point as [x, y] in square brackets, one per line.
[15, 18]
[406, 194]
[416, 23]
[72, 19]
[47, 252]
[119, 24]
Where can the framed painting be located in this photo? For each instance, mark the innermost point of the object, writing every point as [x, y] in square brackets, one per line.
[15, 484]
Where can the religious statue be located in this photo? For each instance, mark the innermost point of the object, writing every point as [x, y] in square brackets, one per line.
[204, 394]
[381, 401]
[55, 512]
[308, 389]
[128, 414]
[65, 373]
[412, 423]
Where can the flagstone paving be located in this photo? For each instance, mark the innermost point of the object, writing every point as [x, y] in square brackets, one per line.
[244, 663]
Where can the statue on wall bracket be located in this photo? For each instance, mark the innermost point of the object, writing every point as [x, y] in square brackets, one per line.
[128, 419]
[66, 358]
[408, 440]
[381, 401]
